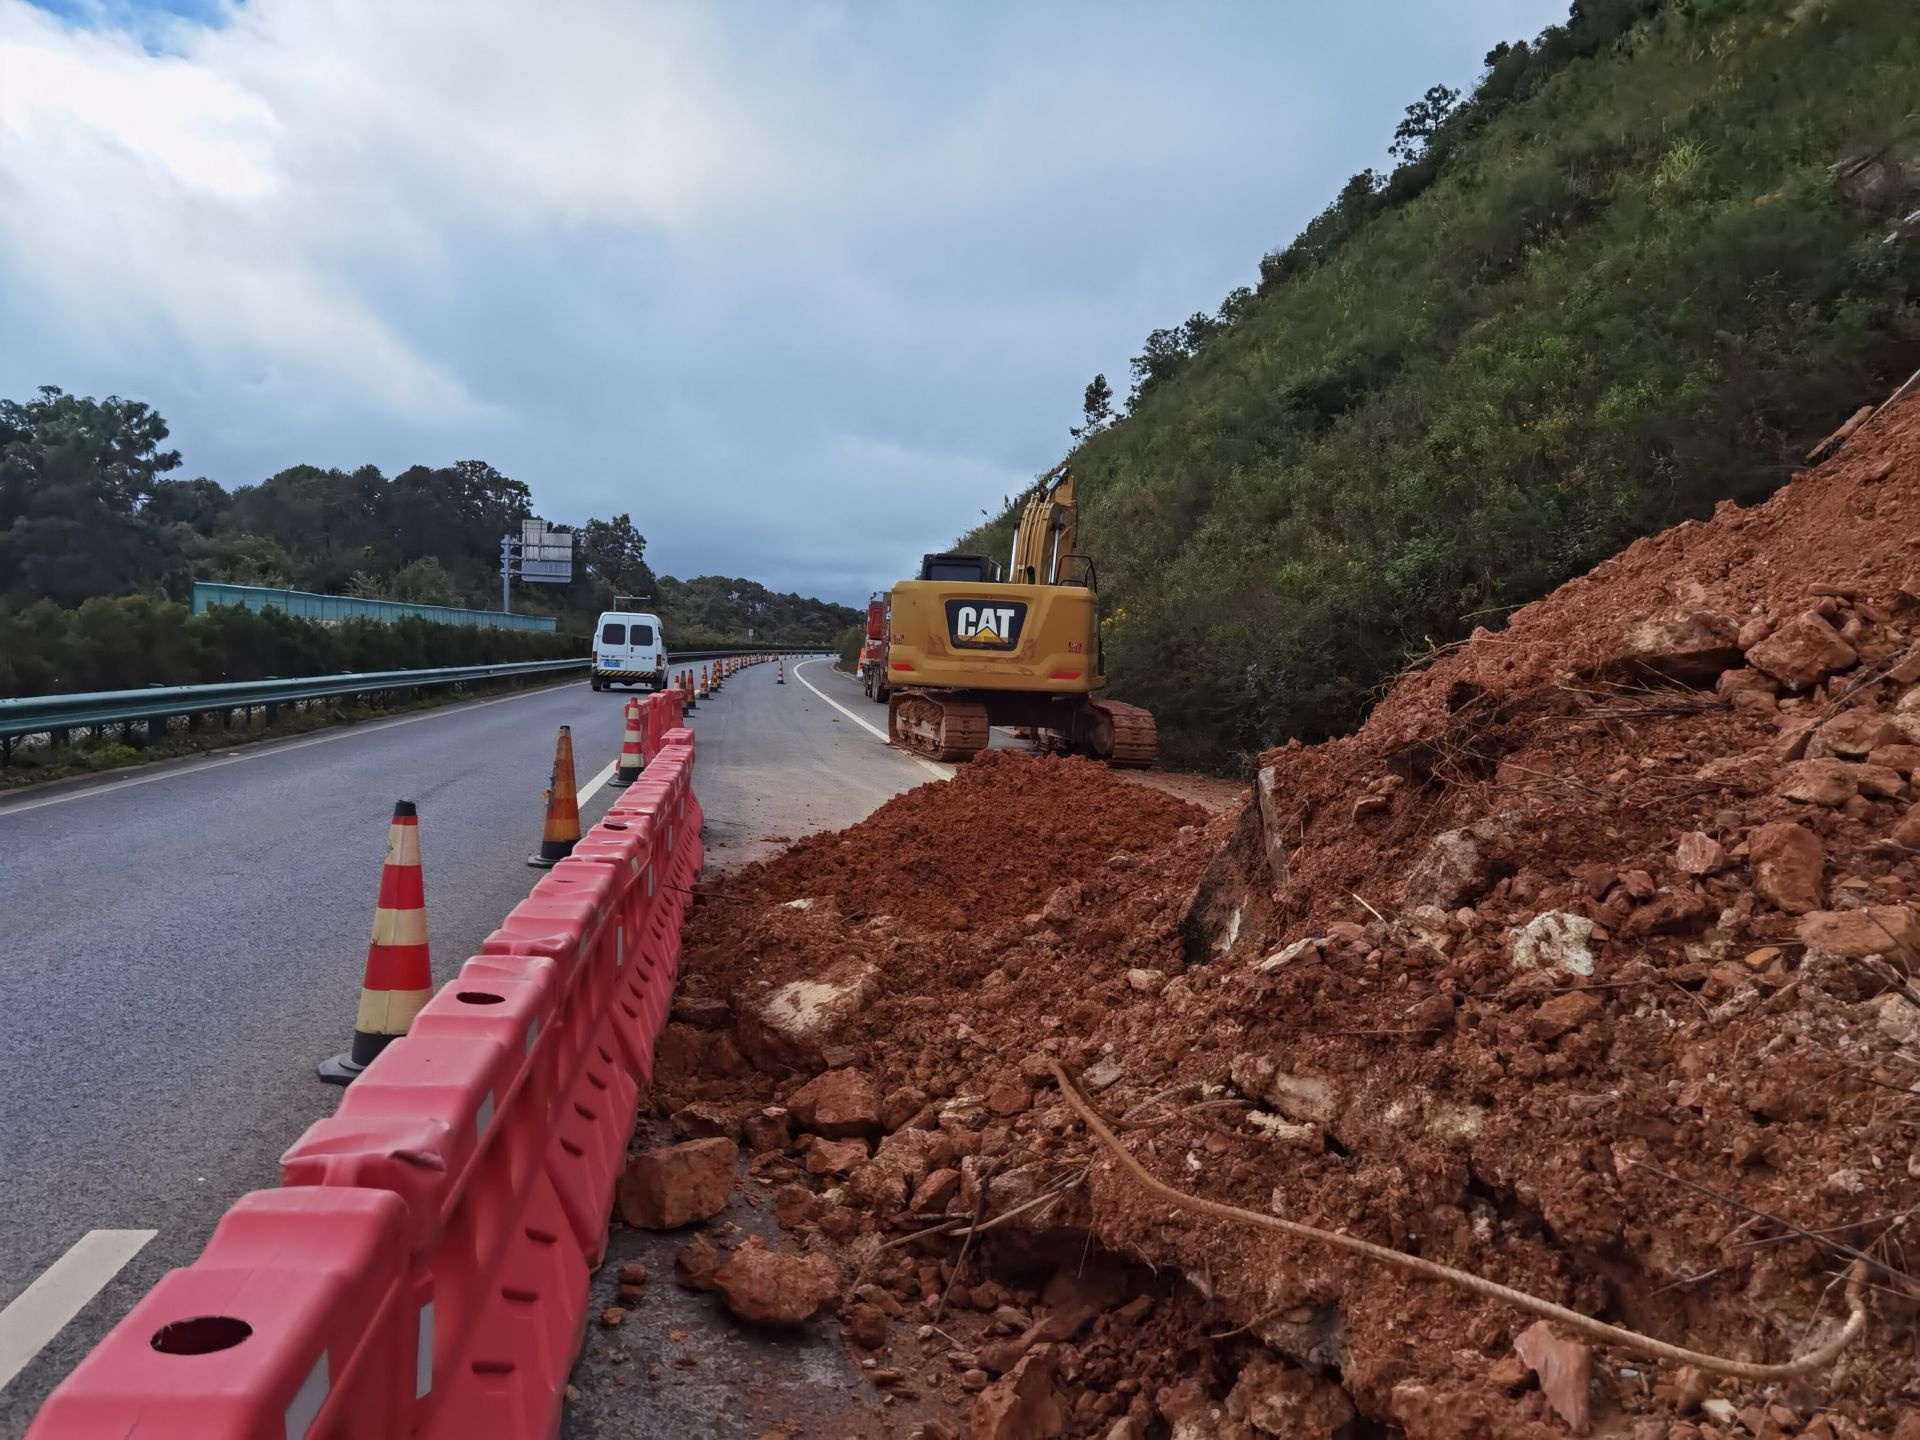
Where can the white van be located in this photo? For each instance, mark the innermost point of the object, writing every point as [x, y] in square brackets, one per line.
[629, 648]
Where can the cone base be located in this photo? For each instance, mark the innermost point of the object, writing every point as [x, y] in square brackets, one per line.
[340, 1069]
[545, 860]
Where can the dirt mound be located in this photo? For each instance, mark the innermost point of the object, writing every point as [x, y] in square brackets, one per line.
[991, 843]
[1584, 966]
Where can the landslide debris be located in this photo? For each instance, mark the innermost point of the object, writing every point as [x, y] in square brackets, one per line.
[1586, 965]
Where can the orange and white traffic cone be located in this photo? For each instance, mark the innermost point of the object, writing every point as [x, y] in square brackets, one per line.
[779, 672]
[632, 753]
[562, 830]
[688, 699]
[704, 690]
[398, 977]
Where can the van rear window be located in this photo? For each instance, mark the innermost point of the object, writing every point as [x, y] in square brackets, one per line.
[613, 634]
[640, 635]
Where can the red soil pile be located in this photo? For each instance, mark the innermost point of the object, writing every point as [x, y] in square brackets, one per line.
[1585, 965]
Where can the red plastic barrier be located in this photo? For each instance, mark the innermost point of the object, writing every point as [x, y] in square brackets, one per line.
[453, 1121]
[293, 1322]
[424, 1271]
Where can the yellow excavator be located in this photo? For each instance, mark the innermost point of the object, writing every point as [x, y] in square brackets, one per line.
[969, 648]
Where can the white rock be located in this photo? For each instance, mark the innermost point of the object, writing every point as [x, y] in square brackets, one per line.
[1553, 939]
[1292, 953]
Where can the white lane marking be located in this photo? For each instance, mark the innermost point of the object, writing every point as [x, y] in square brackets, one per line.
[42, 1310]
[263, 751]
[592, 786]
[940, 772]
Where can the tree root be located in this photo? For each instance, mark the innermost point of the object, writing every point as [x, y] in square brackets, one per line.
[1599, 1331]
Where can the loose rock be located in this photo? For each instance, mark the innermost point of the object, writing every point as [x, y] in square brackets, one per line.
[769, 1287]
[665, 1188]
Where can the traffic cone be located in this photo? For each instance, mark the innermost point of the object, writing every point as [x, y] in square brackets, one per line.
[779, 672]
[398, 977]
[687, 704]
[563, 808]
[632, 755]
[704, 690]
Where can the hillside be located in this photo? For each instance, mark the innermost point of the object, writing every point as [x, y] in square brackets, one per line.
[1655, 255]
[1584, 967]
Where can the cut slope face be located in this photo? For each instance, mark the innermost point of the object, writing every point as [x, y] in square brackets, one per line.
[1583, 966]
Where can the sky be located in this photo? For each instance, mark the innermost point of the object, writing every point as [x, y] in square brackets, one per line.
[804, 286]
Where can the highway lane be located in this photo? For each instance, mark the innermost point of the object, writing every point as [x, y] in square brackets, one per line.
[181, 945]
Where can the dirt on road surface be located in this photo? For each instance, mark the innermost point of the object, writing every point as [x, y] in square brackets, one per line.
[1586, 966]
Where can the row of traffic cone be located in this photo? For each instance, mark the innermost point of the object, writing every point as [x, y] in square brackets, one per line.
[398, 976]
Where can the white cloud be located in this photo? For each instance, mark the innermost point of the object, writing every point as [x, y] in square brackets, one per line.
[802, 286]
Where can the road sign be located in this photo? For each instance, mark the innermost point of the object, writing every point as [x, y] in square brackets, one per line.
[546, 555]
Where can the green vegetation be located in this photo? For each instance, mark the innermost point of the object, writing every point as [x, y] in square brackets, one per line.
[714, 610]
[130, 641]
[89, 512]
[1657, 253]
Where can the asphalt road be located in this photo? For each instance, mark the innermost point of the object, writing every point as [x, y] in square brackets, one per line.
[182, 943]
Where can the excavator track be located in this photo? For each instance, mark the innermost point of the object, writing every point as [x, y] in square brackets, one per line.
[1122, 735]
[950, 730]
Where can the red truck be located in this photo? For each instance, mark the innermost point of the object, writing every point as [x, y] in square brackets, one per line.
[873, 650]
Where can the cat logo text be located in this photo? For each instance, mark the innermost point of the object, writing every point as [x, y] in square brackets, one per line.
[985, 624]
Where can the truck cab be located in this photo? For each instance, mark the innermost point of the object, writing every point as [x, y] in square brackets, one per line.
[629, 648]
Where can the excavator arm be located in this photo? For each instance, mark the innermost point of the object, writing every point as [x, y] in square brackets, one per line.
[1046, 534]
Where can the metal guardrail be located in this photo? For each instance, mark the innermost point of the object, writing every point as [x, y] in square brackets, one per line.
[156, 705]
[57, 714]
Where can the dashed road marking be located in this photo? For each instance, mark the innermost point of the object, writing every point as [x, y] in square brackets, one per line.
[942, 772]
[592, 786]
[42, 1310]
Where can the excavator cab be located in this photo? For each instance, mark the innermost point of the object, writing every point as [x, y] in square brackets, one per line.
[976, 569]
[968, 649]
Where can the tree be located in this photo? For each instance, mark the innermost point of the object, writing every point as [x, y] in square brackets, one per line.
[423, 582]
[200, 504]
[614, 552]
[1096, 406]
[1424, 117]
[74, 473]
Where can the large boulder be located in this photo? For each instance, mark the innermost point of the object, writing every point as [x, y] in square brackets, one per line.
[1455, 870]
[1021, 1404]
[788, 1026]
[1802, 652]
[1282, 1400]
[772, 1287]
[839, 1105]
[1691, 648]
[1788, 861]
[1870, 930]
[676, 1185]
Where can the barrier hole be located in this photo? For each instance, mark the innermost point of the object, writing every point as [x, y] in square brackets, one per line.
[542, 1237]
[518, 1296]
[612, 825]
[604, 1053]
[493, 1367]
[631, 1013]
[479, 997]
[572, 1149]
[596, 1082]
[583, 1112]
[202, 1335]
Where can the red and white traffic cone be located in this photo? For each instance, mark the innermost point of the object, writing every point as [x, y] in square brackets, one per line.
[779, 672]
[398, 978]
[632, 751]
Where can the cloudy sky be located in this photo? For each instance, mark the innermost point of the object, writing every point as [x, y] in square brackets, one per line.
[803, 286]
